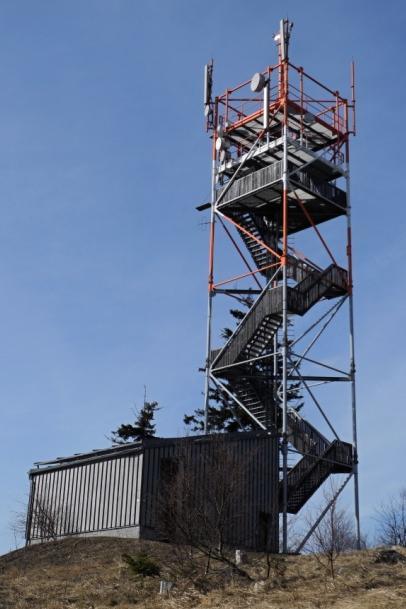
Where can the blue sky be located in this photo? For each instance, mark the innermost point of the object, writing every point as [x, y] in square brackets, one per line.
[103, 258]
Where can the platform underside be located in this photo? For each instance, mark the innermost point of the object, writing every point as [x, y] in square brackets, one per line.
[261, 192]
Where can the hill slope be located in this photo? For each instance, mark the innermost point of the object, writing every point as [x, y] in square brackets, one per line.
[91, 574]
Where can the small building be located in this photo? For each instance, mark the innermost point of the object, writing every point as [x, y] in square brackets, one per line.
[126, 490]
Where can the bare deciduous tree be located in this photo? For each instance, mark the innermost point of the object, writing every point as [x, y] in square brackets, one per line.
[202, 512]
[18, 526]
[44, 521]
[391, 520]
[334, 534]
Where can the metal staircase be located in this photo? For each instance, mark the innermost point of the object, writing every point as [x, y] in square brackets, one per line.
[237, 362]
[257, 329]
[313, 469]
[256, 225]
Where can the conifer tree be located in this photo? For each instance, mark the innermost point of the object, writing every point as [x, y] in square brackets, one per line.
[143, 426]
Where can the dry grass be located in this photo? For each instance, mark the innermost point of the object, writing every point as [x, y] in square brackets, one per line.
[90, 574]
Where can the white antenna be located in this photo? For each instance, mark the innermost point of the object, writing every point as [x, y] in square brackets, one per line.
[260, 83]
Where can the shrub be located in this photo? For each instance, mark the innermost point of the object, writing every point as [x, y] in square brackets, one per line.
[141, 564]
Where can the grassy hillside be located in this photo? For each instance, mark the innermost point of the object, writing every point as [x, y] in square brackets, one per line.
[91, 574]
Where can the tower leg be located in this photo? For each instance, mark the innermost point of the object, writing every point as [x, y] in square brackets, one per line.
[352, 359]
[210, 294]
[285, 326]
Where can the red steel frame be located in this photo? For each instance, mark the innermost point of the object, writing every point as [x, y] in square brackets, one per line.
[333, 113]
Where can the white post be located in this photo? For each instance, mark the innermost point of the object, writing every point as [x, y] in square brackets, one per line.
[352, 362]
[210, 295]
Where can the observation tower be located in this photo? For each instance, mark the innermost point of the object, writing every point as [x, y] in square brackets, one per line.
[280, 183]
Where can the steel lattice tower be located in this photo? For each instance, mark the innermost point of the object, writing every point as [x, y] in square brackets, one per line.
[280, 168]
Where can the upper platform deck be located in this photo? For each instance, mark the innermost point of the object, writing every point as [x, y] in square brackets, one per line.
[261, 192]
[298, 155]
[319, 118]
[312, 129]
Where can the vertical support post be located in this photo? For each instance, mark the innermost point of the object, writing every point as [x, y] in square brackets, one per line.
[275, 377]
[266, 110]
[30, 511]
[301, 88]
[284, 42]
[353, 127]
[210, 294]
[284, 408]
[352, 353]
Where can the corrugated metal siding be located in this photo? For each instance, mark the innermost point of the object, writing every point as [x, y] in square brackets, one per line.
[85, 497]
[117, 492]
